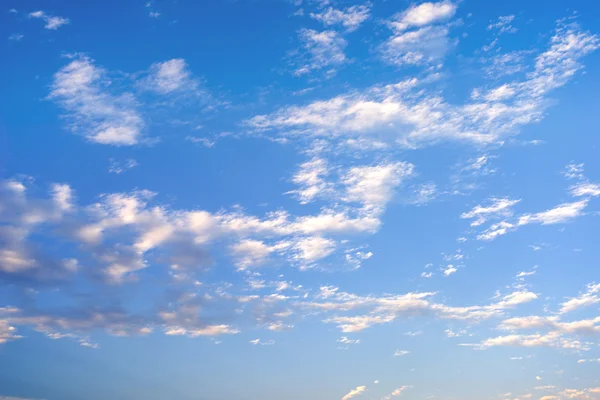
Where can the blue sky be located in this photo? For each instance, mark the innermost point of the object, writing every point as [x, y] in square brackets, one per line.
[299, 199]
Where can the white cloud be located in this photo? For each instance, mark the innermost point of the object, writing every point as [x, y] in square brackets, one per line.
[52, 22]
[559, 214]
[400, 353]
[373, 185]
[428, 43]
[552, 339]
[314, 248]
[310, 179]
[15, 37]
[250, 252]
[590, 297]
[406, 114]
[396, 392]
[7, 332]
[424, 14]
[503, 24]
[350, 18]
[354, 392]
[82, 89]
[345, 340]
[585, 189]
[573, 171]
[449, 270]
[170, 77]
[498, 207]
[320, 50]
[424, 193]
[423, 46]
[117, 167]
[211, 330]
[255, 342]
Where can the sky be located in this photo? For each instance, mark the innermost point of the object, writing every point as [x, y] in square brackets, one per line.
[299, 199]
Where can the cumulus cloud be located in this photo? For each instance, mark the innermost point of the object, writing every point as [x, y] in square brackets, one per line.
[52, 22]
[172, 76]
[350, 18]
[427, 43]
[311, 179]
[84, 91]
[320, 51]
[424, 14]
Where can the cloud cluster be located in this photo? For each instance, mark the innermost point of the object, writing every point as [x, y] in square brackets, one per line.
[419, 35]
[405, 114]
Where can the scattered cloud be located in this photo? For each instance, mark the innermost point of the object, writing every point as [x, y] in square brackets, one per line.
[503, 24]
[408, 116]
[350, 18]
[84, 91]
[117, 167]
[320, 50]
[52, 22]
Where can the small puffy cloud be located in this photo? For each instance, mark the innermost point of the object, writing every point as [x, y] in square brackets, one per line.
[16, 37]
[211, 330]
[250, 252]
[427, 43]
[373, 185]
[574, 171]
[590, 297]
[82, 89]
[52, 22]
[424, 193]
[350, 18]
[400, 353]
[354, 392]
[7, 332]
[314, 248]
[449, 270]
[345, 340]
[320, 51]
[170, 77]
[310, 178]
[423, 46]
[503, 24]
[424, 14]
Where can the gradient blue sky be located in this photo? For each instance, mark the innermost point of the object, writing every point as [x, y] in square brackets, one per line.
[304, 199]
